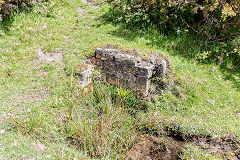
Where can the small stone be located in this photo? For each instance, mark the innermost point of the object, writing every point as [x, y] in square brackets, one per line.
[85, 75]
[164, 66]
[45, 26]
[2, 131]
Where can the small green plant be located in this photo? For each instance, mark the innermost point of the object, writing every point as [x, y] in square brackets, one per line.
[121, 96]
[125, 99]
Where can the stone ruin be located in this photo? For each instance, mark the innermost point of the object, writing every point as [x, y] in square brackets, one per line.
[128, 71]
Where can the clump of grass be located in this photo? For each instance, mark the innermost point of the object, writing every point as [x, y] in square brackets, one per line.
[100, 126]
[98, 122]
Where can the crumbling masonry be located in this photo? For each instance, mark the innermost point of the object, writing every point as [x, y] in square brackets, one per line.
[128, 71]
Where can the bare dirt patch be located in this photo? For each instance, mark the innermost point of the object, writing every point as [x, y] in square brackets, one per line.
[228, 145]
[91, 2]
[171, 145]
[155, 148]
[221, 145]
[50, 58]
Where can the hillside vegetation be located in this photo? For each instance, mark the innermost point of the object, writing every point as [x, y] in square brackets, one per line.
[45, 114]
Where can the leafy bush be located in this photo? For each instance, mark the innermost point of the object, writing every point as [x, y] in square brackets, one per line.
[212, 18]
[9, 6]
[217, 21]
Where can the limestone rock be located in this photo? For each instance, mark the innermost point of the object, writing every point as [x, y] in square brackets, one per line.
[128, 71]
[85, 74]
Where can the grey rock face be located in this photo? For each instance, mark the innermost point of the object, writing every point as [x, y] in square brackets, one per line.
[85, 75]
[129, 71]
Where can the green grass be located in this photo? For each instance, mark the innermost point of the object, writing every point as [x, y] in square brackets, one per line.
[41, 103]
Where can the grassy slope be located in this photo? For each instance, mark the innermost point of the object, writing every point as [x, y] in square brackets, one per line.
[209, 104]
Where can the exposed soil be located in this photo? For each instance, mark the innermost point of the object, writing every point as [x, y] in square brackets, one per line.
[50, 58]
[156, 148]
[170, 146]
[221, 145]
[228, 144]
[91, 2]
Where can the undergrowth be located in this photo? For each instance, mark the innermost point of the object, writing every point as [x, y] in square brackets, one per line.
[98, 123]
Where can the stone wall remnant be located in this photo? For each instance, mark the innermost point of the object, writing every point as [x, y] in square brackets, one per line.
[129, 71]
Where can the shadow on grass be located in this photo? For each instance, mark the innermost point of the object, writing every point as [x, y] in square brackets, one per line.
[183, 43]
[6, 23]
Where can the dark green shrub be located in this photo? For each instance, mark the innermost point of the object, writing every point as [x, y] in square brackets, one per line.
[212, 18]
[217, 21]
[8, 7]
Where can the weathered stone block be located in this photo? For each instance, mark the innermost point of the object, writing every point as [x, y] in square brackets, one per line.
[85, 74]
[129, 71]
[105, 53]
